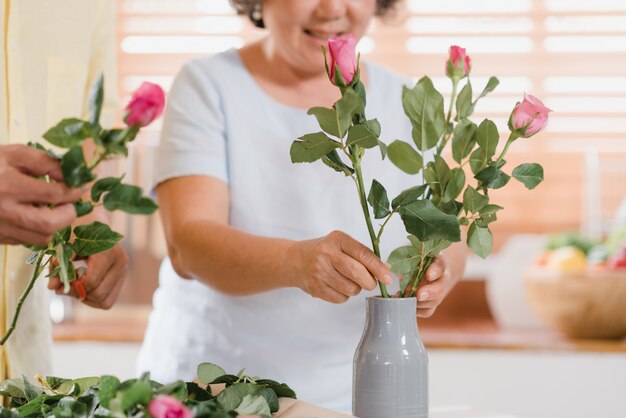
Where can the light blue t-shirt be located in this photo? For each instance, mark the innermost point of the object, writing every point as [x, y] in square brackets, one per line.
[220, 123]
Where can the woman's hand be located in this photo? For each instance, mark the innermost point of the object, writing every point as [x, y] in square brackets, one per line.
[100, 286]
[336, 266]
[25, 217]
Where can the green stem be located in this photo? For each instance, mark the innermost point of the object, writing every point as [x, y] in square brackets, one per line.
[382, 227]
[356, 161]
[512, 138]
[420, 276]
[446, 135]
[97, 160]
[20, 302]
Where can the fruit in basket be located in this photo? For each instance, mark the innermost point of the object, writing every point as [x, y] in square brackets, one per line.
[618, 259]
[566, 259]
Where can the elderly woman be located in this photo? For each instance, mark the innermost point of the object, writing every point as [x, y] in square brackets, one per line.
[259, 274]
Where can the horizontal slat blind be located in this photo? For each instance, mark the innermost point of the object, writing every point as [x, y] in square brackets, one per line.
[570, 53]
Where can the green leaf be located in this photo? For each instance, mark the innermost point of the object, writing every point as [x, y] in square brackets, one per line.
[83, 208]
[68, 407]
[68, 133]
[383, 149]
[9, 413]
[423, 104]
[485, 220]
[232, 396]
[139, 393]
[108, 388]
[40, 147]
[177, 389]
[530, 174]
[360, 135]
[374, 126]
[282, 389]
[463, 140]
[271, 398]
[479, 240]
[229, 379]
[54, 382]
[405, 262]
[196, 393]
[208, 372]
[454, 185]
[405, 157]
[31, 391]
[473, 201]
[129, 199]
[426, 221]
[478, 160]
[490, 209]
[487, 137]
[33, 408]
[408, 196]
[491, 85]
[254, 405]
[62, 235]
[104, 185]
[66, 268]
[80, 385]
[13, 388]
[327, 119]
[464, 102]
[492, 177]
[349, 105]
[335, 162]
[378, 199]
[311, 147]
[94, 238]
[96, 97]
[115, 140]
[437, 174]
[74, 168]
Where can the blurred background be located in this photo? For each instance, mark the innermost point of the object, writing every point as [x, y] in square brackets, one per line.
[506, 340]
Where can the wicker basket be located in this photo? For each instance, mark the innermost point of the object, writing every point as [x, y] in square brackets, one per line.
[581, 305]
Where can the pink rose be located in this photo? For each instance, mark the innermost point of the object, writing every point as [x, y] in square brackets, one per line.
[459, 63]
[145, 106]
[529, 117]
[164, 406]
[342, 54]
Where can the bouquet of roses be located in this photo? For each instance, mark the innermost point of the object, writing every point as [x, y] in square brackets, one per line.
[107, 396]
[443, 200]
[82, 241]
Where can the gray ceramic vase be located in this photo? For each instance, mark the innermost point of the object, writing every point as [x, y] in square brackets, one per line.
[390, 363]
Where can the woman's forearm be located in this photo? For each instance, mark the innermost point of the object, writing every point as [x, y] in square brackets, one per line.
[232, 261]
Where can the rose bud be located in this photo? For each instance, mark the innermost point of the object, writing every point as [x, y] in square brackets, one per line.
[145, 105]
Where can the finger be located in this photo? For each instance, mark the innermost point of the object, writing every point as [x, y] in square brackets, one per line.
[42, 219]
[15, 234]
[425, 313]
[343, 284]
[366, 257]
[354, 271]
[110, 299]
[331, 295]
[34, 161]
[428, 292]
[31, 190]
[55, 283]
[436, 269]
[112, 278]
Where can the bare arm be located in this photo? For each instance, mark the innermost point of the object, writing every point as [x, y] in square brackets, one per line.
[201, 245]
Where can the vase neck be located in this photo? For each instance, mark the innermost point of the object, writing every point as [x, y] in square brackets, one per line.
[392, 315]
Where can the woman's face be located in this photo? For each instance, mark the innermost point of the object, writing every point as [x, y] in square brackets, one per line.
[298, 28]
